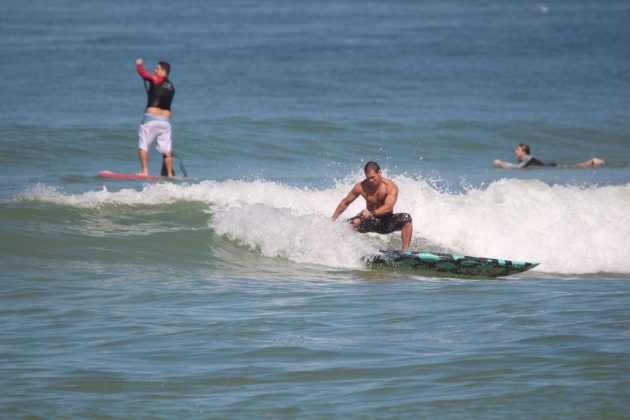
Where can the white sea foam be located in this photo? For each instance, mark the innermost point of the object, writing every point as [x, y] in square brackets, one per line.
[569, 229]
[283, 233]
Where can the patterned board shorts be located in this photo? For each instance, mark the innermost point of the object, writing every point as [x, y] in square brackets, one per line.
[384, 224]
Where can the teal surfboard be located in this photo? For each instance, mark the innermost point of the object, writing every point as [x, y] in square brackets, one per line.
[436, 263]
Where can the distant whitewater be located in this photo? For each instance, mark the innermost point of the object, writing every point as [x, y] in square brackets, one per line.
[569, 229]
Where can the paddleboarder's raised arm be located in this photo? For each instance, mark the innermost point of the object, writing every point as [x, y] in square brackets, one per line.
[147, 76]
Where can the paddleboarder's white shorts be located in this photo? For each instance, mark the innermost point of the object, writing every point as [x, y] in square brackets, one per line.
[155, 127]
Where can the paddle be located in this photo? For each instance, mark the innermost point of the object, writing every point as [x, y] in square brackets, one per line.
[181, 165]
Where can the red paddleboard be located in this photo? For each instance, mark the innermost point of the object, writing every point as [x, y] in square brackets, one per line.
[108, 174]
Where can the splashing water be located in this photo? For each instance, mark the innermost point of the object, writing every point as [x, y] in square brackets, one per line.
[569, 229]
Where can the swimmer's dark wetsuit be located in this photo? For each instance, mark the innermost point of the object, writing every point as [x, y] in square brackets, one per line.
[526, 162]
[160, 92]
[533, 162]
[385, 224]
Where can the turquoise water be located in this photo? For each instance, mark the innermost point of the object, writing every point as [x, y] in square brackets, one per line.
[230, 293]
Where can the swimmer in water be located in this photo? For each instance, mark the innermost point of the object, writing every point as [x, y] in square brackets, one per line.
[526, 160]
[156, 123]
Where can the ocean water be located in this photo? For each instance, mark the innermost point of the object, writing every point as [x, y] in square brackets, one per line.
[230, 293]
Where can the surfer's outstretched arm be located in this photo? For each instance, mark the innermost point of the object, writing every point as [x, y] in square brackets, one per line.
[347, 200]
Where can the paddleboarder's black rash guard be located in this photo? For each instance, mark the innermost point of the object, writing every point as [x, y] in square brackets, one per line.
[161, 91]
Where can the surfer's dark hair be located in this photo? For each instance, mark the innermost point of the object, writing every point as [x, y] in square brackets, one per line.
[525, 147]
[371, 166]
[165, 66]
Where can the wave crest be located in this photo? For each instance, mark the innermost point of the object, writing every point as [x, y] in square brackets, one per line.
[569, 229]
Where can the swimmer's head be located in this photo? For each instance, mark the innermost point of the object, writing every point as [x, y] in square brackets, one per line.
[521, 150]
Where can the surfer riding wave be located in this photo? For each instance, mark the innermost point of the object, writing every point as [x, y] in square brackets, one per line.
[380, 196]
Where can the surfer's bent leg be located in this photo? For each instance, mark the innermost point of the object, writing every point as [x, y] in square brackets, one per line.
[385, 224]
[370, 224]
[355, 222]
[390, 223]
[406, 231]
